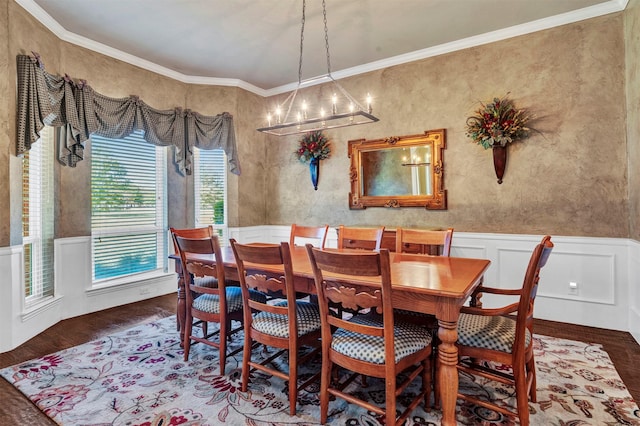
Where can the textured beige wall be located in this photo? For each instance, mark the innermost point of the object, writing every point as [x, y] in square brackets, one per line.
[568, 180]
[632, 55]
[5, 133]
[251, 188]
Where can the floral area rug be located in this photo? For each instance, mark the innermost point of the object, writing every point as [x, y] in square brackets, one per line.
[138, 377]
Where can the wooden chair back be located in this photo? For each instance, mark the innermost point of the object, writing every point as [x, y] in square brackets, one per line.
[333, 291]
[256, 264]
[309, 232]
[360, 238]
[435, 243]
[537, 261]
[187, 247]
[204, 232]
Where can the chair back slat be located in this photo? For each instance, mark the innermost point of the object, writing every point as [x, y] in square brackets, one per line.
[205, 232]
[436, 243]
[356, 262]
[360, 238]
[189, 246]
[309, 232]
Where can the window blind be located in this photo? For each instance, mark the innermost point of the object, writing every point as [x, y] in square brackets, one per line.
[210, 187]
[128, 206]
[38, 218]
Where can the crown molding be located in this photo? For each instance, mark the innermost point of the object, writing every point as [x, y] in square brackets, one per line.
[601, 9]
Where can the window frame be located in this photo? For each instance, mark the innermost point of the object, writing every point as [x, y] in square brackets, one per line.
[38, 220]
[158, 228]
[220, 157]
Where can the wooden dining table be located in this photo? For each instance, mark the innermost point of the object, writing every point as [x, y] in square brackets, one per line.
[421, 283]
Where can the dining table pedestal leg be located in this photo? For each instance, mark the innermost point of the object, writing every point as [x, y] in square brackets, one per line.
[447, 370]
[181, 308]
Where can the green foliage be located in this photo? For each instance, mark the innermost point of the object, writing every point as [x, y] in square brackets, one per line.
[112, 189]
[212, 200]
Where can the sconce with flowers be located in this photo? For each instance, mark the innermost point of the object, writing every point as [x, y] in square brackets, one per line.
[313, 147]
[497, 124]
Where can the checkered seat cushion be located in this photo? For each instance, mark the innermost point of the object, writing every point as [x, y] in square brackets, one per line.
[490, 332]
[211, 302]
[210, 282]
[278, 325]
[408, 339]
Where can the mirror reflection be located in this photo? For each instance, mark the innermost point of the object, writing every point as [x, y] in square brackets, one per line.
[393, 171]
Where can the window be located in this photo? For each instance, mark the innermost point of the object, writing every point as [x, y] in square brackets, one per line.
[210, 177]
[128, 207]
[37, 218]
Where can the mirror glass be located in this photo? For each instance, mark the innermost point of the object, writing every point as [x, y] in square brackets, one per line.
[398, 171]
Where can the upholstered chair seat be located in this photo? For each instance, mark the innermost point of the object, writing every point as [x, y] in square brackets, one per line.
[408, 339]
[211, 302]
[495, 333]
[277, 325]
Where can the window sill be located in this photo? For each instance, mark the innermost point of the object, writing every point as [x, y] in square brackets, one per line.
[131, 281]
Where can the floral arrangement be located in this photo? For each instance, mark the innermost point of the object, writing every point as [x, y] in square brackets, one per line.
[313, 145]
[498, 123]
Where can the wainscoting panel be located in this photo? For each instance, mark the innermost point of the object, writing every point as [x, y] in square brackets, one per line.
[606, 270]
[634, 289]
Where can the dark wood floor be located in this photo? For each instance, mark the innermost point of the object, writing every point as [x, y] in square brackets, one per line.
[15, 409]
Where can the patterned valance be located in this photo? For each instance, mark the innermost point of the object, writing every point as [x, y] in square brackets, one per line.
[75, 107]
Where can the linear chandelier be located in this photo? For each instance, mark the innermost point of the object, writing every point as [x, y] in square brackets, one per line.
[291, 118]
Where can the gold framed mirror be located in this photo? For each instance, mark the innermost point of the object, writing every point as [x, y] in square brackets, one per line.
[398, 171]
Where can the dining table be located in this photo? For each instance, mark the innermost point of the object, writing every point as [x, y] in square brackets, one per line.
[427, 284]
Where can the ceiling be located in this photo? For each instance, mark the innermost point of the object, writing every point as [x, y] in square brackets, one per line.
[255, 44]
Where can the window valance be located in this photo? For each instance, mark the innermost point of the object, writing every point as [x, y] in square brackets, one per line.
[79, 111]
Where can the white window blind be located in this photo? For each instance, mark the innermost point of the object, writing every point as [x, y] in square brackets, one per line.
[128, 206]
[210, 177]
[37, 218]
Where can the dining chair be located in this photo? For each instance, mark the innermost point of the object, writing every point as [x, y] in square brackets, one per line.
[360, 238]
[372, 343]
[318, 233]
[504, 336]
[207, 281]
[424, 241]
[220, 304]
[284, 323]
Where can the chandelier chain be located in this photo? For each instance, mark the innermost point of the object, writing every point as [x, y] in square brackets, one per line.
[326, 36]
[304, 4]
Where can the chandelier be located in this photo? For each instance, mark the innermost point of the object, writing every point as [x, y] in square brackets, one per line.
[290, 117]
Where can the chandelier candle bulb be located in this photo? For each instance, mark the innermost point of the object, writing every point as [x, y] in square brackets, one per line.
[334, 107]
[369, 103]
[269, 120]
